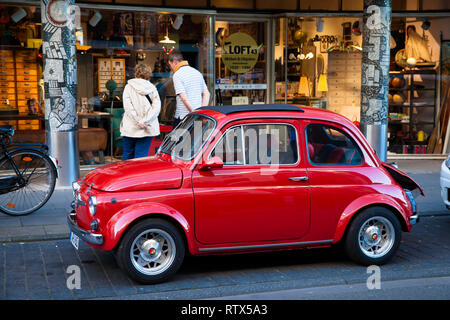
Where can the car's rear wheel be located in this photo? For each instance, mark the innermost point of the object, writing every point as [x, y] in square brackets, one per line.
[151, 251]
[373, 237]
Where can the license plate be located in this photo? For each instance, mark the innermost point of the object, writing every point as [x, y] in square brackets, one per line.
[75, 240]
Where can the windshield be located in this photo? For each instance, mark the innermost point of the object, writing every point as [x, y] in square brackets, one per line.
[188, 138]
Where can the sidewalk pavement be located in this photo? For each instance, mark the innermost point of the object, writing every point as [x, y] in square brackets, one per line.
[49, 222]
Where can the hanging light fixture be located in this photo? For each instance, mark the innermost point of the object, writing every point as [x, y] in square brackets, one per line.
[166, 39]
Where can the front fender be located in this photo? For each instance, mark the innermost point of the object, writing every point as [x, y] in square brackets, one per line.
[118, 223]
[363, 202]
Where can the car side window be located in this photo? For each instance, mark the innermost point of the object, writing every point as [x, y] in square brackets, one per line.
[229, 147]
[264, 144]
[270, 144]
[328, 145]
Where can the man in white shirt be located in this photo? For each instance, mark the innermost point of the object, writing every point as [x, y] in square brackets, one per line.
[190, 87]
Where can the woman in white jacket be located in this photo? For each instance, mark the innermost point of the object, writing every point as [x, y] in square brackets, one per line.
[141, 104]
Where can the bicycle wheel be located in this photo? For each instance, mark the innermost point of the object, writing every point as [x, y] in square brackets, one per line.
[33, 191]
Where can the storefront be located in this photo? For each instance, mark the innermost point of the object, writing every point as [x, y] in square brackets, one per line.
[319, 63]
[250, 52]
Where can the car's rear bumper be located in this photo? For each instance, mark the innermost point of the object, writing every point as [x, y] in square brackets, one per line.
[414, 219]
[89, 237]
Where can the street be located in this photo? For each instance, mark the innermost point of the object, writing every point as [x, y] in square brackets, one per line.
[38, 270]
[420, 270]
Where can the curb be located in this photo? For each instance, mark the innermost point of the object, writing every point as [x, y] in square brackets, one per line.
[34, 233]
[32, 238]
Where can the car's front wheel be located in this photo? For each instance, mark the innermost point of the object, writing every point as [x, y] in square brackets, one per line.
[373, 237]
[151, 251]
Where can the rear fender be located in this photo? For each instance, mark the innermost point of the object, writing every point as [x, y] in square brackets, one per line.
[369, 201]
[119, 223]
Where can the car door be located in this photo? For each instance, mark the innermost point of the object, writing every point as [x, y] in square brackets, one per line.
[261, 193]
[338, 174]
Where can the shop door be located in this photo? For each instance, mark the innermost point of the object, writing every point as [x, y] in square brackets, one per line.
[241, 60]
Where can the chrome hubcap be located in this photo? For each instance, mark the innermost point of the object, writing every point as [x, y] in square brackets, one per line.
[153, 252]
[376, 237]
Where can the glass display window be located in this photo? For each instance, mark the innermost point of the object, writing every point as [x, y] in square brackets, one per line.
[241, 62]
[110, 43]
[21, 88]
[318, 63]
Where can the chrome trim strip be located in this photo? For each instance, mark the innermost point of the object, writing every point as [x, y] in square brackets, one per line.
[273, 245]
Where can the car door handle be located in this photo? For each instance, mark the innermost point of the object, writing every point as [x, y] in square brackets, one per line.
[298, 179]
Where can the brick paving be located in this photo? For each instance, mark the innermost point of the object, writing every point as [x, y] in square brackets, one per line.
[37, 270]
[34, 269]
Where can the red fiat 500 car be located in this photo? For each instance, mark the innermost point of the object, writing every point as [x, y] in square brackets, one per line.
[237, 179]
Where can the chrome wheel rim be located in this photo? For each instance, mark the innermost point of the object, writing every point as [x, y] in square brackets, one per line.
[153, 252]
[376, 237]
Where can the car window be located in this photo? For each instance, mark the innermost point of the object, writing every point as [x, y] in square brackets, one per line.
[328, 145]
[229, 147]
[188, 138]
[264, 144]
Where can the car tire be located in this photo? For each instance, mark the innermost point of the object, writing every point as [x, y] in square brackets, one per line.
[151, 251]
[373, 236]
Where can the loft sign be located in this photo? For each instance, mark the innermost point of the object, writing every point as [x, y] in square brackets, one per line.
[240, 52]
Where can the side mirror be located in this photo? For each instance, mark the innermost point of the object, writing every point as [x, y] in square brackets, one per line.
[212, 163]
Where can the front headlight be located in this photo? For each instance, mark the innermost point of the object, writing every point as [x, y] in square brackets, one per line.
[92, 205]
[447, 162]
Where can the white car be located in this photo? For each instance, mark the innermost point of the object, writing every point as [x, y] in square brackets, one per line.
[445, 181]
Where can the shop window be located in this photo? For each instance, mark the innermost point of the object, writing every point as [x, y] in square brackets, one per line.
[328, 145]
[241, 64]
[21, 88]
[318, 63]
[111, 43]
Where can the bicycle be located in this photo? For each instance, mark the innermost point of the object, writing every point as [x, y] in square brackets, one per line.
[27, 174]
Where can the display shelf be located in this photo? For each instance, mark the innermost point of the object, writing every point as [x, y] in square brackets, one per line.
[420, 104]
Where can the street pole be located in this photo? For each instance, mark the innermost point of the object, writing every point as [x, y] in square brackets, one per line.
[60, 84]
[375, 74]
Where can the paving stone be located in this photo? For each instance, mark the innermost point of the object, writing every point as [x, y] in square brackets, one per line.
[119, 281]
[94, 273]
[35, 275]
[56, 274]
[15, 273]
[70, 258]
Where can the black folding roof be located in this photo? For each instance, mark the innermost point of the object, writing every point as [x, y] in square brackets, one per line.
[253, 107]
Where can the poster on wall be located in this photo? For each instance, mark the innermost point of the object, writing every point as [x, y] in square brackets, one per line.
[111, 69]
[240, 52]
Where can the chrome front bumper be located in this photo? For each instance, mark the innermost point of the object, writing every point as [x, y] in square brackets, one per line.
[89, 237]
